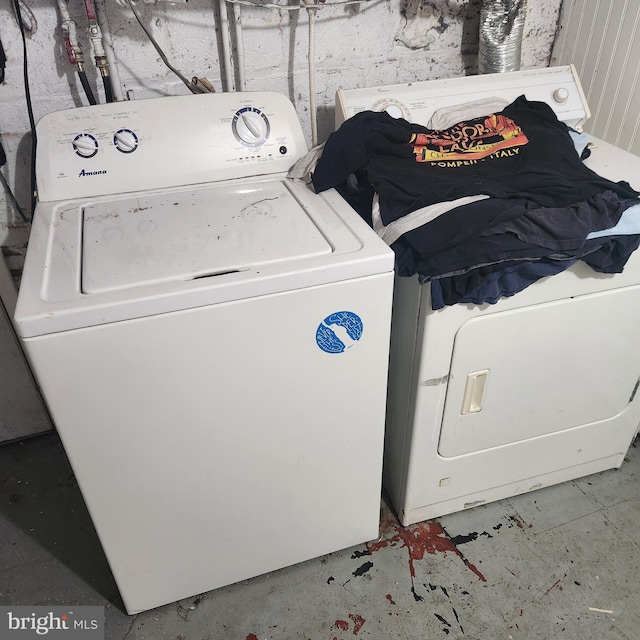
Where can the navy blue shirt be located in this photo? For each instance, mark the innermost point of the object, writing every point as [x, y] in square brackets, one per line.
[522, 152]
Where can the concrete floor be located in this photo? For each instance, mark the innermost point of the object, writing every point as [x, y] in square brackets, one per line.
[559, 563]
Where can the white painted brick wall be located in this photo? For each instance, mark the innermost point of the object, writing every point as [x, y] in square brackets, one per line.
[356, 45]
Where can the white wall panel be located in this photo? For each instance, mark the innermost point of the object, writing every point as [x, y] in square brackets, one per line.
[601, 38]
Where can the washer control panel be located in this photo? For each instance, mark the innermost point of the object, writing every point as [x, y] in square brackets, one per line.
[163, 142]
[417, 101]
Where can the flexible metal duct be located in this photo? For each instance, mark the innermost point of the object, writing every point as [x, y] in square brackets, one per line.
[501, 27]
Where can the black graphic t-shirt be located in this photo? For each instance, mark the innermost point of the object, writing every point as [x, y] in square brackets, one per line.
[524, 151]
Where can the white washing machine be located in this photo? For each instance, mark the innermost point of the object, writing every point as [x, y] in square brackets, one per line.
[211, 339]
[486, 402]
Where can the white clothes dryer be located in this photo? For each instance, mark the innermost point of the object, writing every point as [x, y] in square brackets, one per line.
[486, 402]
[211, 339]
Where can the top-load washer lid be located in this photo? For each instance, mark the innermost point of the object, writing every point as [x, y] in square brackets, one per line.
[108, 259]
[148, 239]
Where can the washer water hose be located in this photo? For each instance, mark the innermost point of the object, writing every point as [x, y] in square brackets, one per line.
[84, 81]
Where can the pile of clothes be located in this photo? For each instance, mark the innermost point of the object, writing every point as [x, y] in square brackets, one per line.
[482, 207]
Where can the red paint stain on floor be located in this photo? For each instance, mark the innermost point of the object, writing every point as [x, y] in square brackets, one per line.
[252, 636]
[341, 624]
[358, 621]
[421, 538]
[553, 586]
[390, 599]
[520, 524]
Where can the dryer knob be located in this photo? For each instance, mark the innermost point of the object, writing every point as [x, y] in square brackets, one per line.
[394, 111]
[560, 95]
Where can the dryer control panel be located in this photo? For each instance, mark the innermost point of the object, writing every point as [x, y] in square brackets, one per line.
[417, 101]
[164, 142]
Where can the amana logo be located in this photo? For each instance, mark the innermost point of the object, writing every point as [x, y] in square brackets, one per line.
[92, 173]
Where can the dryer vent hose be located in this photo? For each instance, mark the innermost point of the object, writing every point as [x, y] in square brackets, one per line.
[501, 27]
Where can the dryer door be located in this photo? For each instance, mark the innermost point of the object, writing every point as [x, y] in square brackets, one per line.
[533, 371]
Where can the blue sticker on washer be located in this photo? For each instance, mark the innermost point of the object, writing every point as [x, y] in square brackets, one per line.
[339, 331]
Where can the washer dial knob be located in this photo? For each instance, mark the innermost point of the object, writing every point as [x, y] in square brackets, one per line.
[85, 145]
[125, 140]
[250, 127]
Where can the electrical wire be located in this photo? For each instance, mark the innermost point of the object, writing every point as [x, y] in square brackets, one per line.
[3, 63]
[32, 27]
[27, 92]
[156, 46]
[12, 198]
[7, 188]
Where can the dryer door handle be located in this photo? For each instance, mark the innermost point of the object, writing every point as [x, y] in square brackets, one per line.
[474, 391]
